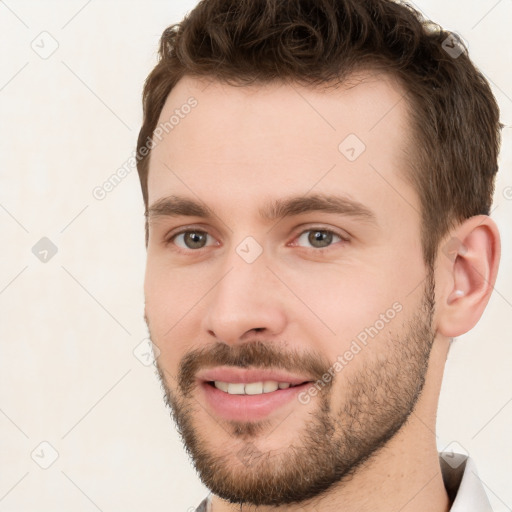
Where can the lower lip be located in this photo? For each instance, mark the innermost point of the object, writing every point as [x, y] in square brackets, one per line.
[248, 407]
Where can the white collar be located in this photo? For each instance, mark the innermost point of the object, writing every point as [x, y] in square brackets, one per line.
[463, 484]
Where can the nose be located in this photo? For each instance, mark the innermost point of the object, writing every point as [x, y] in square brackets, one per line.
[246, 300]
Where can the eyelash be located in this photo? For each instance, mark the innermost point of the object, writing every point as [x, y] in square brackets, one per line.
[343, 238]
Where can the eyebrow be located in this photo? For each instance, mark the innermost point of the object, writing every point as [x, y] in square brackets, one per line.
[177, 206]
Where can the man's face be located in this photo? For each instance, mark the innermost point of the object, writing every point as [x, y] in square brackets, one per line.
[337, 294]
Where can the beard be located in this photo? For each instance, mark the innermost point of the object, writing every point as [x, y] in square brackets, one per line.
[333, 443]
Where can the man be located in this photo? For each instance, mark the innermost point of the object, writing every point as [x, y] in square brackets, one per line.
[317, 177]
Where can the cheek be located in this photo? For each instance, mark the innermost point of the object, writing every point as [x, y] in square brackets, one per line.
[338, 300]
[171, 289]
[350, 311]
[172, 298]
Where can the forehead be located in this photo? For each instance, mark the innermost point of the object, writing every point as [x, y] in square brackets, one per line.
[238, 143]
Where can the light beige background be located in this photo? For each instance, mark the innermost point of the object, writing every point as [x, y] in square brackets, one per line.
[69, 327]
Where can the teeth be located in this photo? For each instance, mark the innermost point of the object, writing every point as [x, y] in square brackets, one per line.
[269, 386]
[254, 388]
[223, 386]
[251, 388]
[236, 389]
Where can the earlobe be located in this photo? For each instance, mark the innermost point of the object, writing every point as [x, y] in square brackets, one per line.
[469, 262]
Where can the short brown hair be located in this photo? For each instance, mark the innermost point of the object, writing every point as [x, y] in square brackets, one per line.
[456, 129]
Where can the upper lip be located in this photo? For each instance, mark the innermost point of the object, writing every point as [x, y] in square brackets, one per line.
[238, 375]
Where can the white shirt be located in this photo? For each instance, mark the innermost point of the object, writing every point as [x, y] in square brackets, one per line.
[462, 483]
[460, 479]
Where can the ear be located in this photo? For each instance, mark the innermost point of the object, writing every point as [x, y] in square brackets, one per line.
[467, 266]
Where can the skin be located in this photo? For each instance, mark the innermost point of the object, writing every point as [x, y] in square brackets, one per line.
[240, 148]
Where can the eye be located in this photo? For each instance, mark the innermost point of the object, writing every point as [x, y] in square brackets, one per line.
[318, 238]
[192, 239]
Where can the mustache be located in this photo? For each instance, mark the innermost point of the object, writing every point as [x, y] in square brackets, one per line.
[254, 354]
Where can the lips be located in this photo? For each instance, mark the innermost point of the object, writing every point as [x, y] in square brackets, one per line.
[247, 376]
[249, 394]
[248, 407]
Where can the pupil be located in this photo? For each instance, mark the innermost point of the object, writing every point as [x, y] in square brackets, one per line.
[320, 238]
[195, 240]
